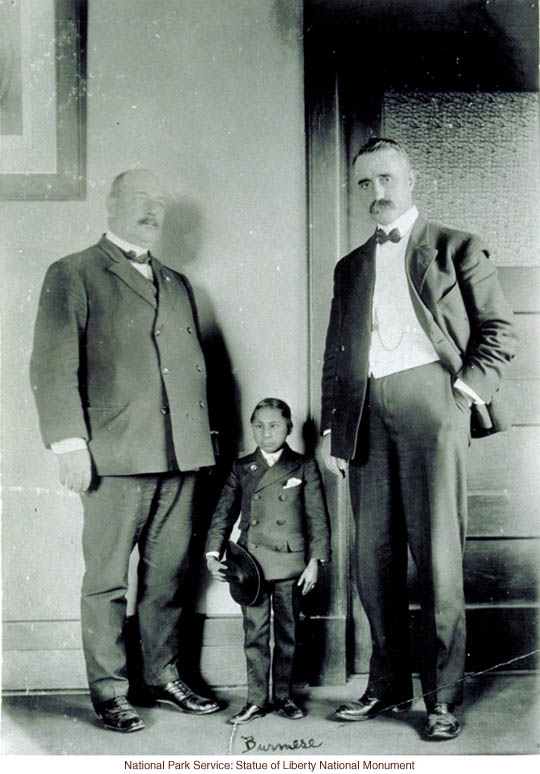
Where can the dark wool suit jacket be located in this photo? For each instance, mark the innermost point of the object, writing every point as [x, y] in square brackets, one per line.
[459, 304]
[119, 363]
[284, 520]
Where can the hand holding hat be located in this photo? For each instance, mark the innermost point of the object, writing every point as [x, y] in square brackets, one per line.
[243, 573]
[216, 568]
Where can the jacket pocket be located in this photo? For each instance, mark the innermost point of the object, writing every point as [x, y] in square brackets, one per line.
[296, 543]
[101, 416]
[449, 294]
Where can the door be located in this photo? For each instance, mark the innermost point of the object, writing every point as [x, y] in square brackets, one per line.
[472, 130]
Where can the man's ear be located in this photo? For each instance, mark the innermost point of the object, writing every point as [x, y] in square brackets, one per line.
[412, 178]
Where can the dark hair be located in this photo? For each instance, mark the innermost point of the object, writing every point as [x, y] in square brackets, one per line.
[383, 143]
[274, 403]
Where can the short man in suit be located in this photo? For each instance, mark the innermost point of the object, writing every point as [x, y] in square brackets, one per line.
[284, 527]
[119, 380]
[418, 340]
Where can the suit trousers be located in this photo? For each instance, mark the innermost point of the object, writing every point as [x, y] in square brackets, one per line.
[284, 598]
[154, 512]
[412, 493]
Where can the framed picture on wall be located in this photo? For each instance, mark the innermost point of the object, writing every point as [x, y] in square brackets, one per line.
[42, 99]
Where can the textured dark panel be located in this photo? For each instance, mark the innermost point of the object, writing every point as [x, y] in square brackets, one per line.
[496, 571]
[522, 401]
[527, 363]
[502, 638]
[478, 163]
[521, 287]
[503, 514]
[506, 461]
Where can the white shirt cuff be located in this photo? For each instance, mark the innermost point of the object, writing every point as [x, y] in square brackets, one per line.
[212, 553]
[68, 445]
[466, 390]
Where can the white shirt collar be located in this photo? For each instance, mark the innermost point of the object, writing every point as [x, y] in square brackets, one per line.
[404, 223]
[273, 457]
[125, 246]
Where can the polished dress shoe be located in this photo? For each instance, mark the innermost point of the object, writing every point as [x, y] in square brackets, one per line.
[369, 707]
[179, 695]
[441, 722]
[288, 709]
[118, 715]
[247, 713]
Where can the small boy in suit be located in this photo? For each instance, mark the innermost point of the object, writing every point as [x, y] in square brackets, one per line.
[284, 526]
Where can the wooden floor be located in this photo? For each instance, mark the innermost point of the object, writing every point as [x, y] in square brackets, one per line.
[500, 717]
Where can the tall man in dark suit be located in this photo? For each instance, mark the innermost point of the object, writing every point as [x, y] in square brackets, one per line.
[418, 340]
[120, 385]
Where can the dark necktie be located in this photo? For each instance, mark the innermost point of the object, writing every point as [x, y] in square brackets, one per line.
[142, 258]
[382, 237]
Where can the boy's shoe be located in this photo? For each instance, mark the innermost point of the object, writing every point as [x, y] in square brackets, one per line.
[247, 713]
[288, 709]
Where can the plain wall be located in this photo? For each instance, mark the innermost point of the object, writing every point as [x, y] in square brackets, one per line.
[209, 96]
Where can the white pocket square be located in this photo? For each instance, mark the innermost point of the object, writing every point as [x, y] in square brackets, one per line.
[292, 482]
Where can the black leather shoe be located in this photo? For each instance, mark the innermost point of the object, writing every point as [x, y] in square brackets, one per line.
[179, 695]
[288, 709]
[441, 722]
[140, 696]
[369, 707]
[118, 715]
[247, 713]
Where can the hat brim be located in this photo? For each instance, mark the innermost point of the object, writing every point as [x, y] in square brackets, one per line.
[243, 575]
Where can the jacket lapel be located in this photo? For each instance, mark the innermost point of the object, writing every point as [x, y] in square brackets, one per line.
[255, 467]
[167, 289]
[127, 274]
[419, 259]
[281, 469]
[420, 253]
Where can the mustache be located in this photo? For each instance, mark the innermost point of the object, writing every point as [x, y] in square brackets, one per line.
[149, 220]
[380, 204]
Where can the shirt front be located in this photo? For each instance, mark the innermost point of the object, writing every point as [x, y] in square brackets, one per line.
[398, 341]
[271, 457]
[127, 247]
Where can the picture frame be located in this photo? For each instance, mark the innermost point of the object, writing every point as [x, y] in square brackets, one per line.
[43, 148]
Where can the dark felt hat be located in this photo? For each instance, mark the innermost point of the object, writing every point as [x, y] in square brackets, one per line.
[243, 574]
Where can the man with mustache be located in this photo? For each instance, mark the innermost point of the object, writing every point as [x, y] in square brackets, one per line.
[120, 384]
[418, 340]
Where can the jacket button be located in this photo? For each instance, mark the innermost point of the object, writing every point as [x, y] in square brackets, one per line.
[253, 522]
[164, 370]
[280, 521]
[199, 369]
[189, 329]
[257, 497]
[282, 497]
[342, 347]
[253, 545]
[201, 404]
[158, 332]
[164, 410]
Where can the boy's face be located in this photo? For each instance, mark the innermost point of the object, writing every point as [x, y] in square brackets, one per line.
[269, 429]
